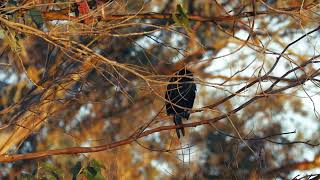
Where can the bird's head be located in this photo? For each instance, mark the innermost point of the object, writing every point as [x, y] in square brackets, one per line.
[184, 72]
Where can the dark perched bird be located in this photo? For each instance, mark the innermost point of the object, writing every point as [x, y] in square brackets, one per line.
[180, 96]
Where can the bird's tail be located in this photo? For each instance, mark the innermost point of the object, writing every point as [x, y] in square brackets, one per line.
[177, 119]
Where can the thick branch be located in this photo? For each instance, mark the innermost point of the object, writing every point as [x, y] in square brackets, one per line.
[304, 165]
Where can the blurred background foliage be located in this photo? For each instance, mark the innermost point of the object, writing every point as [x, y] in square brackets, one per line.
[88, 73]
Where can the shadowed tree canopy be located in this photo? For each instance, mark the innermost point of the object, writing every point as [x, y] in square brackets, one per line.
[89, 89]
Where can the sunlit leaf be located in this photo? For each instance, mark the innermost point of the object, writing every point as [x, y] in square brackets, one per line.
[182, 17]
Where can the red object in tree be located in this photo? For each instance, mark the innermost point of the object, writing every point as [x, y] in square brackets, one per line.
[84, 9]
